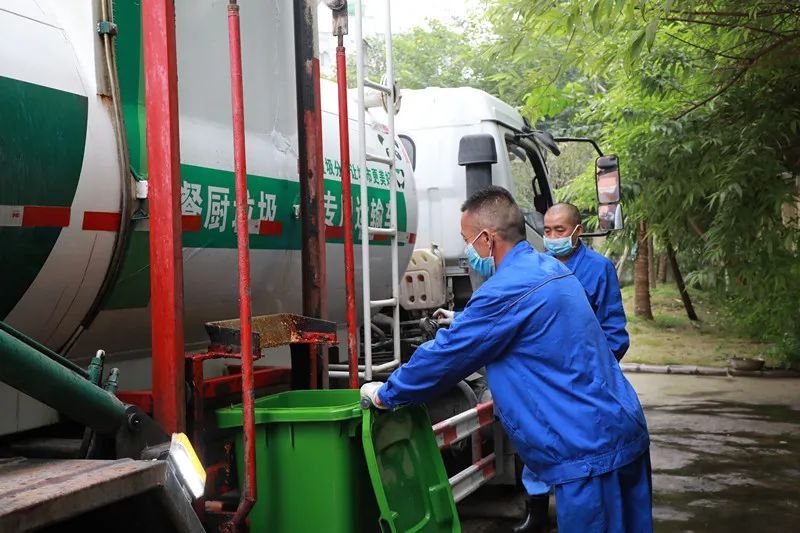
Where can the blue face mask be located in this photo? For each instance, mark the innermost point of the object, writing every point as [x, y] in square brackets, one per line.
[561, 246]
[482, 265]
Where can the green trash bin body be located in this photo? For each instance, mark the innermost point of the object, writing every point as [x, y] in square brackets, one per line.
[311, 473]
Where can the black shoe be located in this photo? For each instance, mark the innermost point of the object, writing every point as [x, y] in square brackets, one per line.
[537, 519]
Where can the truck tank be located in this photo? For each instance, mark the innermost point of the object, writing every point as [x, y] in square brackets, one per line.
[72, 158]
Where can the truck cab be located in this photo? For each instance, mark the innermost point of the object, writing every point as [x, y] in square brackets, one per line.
[458, 138]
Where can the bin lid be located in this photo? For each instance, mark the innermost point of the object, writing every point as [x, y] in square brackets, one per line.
[321, 405]
[407, 472]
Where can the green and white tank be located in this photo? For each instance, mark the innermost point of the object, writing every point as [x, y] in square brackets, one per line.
[63, 175]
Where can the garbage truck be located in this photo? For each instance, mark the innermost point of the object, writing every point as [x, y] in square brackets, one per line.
[75, 229]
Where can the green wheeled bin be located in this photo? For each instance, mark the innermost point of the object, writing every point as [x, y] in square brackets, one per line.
[325, 465]
[311, 472]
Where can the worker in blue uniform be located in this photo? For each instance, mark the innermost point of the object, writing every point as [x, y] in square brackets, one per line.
[558, 391]
[562, 230]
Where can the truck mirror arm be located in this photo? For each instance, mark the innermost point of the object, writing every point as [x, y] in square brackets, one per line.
[580, 140]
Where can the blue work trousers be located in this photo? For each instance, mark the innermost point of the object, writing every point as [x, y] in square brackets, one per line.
[620, 501]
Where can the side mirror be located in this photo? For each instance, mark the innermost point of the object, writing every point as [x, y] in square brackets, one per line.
[609, 217]
[609, 211]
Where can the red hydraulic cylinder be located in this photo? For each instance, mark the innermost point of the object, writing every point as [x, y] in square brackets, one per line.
[347, 219]
[249, 495]
[166, 253]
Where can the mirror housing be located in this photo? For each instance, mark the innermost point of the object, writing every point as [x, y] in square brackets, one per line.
[607, 182]
[477, 153]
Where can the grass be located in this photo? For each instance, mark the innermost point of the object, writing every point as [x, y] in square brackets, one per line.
[671, 338]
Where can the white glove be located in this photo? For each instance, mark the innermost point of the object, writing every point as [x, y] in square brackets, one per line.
[369, 392]
[444, 317]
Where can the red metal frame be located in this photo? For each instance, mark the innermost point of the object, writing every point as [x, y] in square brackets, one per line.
[166, 254]
[249, 491]
[214, 388]
[347, 219]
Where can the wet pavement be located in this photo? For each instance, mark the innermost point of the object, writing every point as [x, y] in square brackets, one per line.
[725, 453]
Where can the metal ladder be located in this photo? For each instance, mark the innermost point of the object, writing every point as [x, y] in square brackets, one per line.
[389, 90]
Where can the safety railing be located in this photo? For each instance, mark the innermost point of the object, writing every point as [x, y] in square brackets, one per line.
[469, 424]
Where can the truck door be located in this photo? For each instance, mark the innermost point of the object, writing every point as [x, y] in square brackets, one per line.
[529, 185]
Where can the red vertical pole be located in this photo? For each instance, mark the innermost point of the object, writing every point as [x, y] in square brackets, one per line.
[347, 220]
[166, 253]
[248, 497]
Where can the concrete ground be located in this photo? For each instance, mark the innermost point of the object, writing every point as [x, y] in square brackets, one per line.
[725, 453]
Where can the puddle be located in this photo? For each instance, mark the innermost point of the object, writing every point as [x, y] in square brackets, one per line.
[721, 467]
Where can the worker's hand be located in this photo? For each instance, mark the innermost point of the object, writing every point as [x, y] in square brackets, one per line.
[369, 394]
[444, 317]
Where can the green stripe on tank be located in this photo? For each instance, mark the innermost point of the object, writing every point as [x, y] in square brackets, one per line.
[42, 142]
[209, 194]
[130, 61]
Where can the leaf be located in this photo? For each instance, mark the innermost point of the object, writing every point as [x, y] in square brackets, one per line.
[650, 33]
[595, 14]
[634, 50]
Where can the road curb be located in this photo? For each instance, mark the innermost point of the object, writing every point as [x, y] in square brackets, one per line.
[692, 370]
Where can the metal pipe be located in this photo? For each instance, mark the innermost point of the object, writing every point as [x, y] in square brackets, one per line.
[34, 373]
[44, 350]
[347, 219]
[364, 215]
[126, 186]
[390, 111]
[310, 169]
[166, 253]
[335, 371]
[477, 446]
[249, 493]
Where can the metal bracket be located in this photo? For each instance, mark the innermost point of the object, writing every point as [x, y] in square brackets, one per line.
[270, 331]
[339, 11]
[106, 27]
[137, 434]
[580, 140]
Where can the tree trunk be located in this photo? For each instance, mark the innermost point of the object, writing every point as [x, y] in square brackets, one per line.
[687, 301]
[662, 268]
[651, 262]
[621, 262]
[641, 277]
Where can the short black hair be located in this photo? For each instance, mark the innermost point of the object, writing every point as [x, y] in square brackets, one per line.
[573, 212]
[496, 209]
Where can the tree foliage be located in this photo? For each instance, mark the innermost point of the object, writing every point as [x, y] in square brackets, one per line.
[434, 56]
[701, 100]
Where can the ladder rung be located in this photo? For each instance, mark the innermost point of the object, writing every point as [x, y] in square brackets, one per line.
[378, 87]
[379, 159]
[389, 302]
[382, 231]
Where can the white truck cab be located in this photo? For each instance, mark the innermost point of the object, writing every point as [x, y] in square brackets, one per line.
[460, 139]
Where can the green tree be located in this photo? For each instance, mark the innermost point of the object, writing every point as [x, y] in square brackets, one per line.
[702, 103]
[427, 57]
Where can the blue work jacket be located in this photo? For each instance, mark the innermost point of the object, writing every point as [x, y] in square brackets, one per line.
[557, 388]
[598, 276]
